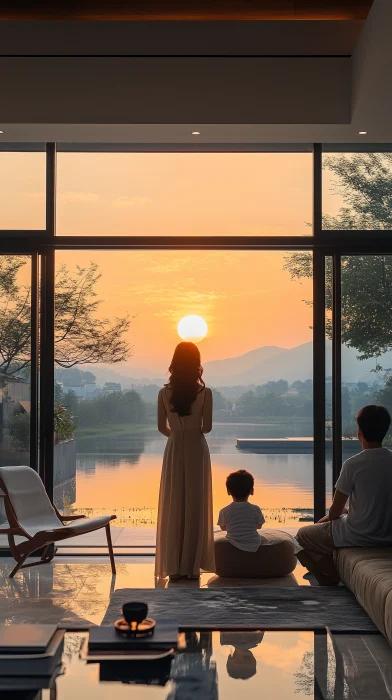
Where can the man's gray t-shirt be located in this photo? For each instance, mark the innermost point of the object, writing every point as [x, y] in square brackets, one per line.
[367, 479]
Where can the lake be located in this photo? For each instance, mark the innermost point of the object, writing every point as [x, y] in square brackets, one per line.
[121, 475]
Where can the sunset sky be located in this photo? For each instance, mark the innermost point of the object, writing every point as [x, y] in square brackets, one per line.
[246, 298]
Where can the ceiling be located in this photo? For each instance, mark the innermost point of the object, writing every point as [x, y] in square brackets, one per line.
[240, 84]
[185, 9]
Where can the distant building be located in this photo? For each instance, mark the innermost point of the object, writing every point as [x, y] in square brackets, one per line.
[79, 391]
[111, 387]
[91, 390]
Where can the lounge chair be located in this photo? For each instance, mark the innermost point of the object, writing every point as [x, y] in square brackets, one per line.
[31, 515]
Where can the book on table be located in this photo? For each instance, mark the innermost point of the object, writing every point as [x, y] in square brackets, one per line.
[106, 640]
[30, 650]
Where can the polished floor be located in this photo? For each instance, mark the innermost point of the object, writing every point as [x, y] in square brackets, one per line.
[76, 589]
[258, 664]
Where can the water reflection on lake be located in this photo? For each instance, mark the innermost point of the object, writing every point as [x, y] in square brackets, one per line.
[121, 475]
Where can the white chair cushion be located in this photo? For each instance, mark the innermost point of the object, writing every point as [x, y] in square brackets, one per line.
[29, 499]
[83, 525]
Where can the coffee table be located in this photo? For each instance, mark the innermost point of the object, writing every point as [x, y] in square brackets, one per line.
[211, 665]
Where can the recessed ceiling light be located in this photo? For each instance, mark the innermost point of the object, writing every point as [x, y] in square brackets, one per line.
[1, 132]
[362, 133]
[195, 133]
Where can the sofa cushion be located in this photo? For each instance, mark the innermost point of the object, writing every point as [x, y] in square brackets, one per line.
[388, 620]
[347, 558]
[371, 583]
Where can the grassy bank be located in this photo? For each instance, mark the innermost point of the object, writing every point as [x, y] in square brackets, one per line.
[115, 430]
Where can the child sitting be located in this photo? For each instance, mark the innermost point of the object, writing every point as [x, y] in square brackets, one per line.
[241, 519]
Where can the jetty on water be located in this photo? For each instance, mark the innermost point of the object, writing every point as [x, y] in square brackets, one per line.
[292, 445]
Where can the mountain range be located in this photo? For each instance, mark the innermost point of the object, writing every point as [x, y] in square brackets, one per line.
[273, 363]
[255, 367]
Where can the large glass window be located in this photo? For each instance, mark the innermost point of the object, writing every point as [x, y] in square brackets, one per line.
[366, 338]
[22, 190]
[357, 191]
[15, 350]
[184, 194]
[117, 315]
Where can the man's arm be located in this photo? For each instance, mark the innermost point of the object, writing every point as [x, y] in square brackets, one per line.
[337, 508]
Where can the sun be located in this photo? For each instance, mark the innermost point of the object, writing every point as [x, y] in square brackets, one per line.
[193, 328]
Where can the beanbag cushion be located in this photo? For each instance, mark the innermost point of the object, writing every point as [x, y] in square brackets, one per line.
[275, 557]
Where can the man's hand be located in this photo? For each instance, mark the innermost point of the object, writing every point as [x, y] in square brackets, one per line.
[325, 519]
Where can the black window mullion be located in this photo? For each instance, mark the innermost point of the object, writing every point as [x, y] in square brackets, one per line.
[34, 360]
[336, 367]
[46, 466]
[318, 344]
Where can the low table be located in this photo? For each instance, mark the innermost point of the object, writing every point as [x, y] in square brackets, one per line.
[211, 665]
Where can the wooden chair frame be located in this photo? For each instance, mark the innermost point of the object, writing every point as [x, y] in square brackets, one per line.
[43, 539]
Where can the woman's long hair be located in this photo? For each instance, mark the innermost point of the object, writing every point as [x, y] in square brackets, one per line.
[185, 379]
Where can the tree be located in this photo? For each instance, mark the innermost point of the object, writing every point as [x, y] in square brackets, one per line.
[219, 400]
[365, 182]
[15, 323]
[74, 377]
[81, 336]
[384, 395]
[280, 387]
[119, 407]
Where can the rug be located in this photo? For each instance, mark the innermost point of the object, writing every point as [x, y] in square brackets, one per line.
[296, 608]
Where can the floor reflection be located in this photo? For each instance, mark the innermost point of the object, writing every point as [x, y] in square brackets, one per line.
[193, 672]
[241, 663]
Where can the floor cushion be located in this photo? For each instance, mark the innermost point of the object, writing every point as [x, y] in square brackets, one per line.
[275, 557]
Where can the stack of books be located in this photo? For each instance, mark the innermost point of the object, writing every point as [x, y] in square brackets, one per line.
[148, 659]
[30, 658]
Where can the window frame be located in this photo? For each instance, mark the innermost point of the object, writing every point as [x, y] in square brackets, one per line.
[42, 245]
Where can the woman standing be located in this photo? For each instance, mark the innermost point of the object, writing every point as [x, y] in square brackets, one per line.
[185, 542]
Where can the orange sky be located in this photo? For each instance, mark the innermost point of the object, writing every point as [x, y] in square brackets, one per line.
[164, 193]
[246, 298]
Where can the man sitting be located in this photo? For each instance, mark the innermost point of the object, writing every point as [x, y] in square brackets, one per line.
[365, 479]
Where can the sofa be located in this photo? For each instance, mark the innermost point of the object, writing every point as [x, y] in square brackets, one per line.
[367, 572]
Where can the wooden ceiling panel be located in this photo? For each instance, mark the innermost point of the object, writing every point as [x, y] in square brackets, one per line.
[184, 10]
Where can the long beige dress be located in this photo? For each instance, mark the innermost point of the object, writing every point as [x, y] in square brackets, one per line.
[185, 542]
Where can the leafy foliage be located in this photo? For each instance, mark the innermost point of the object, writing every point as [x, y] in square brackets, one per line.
[81, 336]
[365, 182]
[110, 409]
[15, 324]
[64, 423]
[18, 428]
[270, 404]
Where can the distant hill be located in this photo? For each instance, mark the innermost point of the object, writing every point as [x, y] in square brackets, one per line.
[255, 367]
[294, 363]
[235, 365]
[126, 376]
